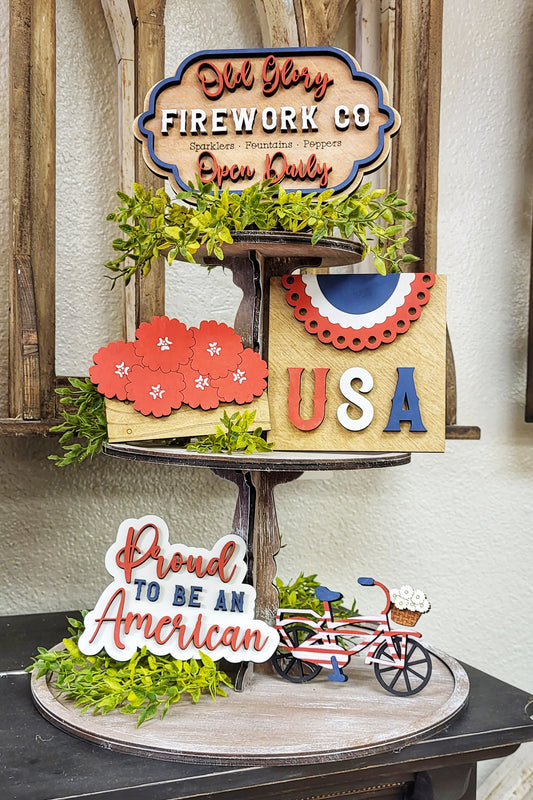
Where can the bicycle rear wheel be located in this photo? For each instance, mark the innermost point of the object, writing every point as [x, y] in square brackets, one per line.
[287, 665]
[415, 674]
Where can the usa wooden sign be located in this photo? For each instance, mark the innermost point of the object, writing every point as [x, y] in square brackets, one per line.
[357, 362]
[307, 118]
[176, 600]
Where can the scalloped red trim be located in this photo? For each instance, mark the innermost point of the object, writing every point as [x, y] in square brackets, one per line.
[370, 338]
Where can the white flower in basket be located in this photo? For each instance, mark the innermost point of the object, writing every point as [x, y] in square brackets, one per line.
[407, 604]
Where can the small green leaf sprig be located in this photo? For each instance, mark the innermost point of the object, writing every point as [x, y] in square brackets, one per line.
[233, 435]
[154, 223]
[87, 423]
[146, 685]
[300, 593]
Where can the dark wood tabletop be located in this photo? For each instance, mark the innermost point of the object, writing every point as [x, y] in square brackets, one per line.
[40, 762]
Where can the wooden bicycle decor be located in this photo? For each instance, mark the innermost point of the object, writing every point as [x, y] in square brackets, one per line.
[310, 642]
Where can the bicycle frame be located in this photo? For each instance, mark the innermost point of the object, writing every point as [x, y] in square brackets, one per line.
[323, 647]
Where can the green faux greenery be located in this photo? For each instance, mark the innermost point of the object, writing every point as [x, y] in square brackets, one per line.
[232, 436]
[89, 425]
[152, 224]
[300, 593]
[148, 685]
[145, 685]
[83, 419]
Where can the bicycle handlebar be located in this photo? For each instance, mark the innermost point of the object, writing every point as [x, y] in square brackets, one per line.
[372, 582]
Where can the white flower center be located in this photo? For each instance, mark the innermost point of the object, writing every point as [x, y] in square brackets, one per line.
[157, 392]
[213, 349]
[201, 382]
[239, 376]
[164, 344]
[121, 370]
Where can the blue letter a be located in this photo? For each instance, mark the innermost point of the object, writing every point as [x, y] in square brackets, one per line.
[405, 403]
[220, 605]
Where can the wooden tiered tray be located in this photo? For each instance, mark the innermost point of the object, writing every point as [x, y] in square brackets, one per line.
[272, 721]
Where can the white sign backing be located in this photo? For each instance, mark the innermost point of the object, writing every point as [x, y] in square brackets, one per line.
[176, 600]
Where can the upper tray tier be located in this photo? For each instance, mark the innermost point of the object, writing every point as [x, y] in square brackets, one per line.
[332, 252]
[282, 461]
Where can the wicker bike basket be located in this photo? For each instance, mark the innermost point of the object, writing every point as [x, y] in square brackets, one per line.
[402, 616]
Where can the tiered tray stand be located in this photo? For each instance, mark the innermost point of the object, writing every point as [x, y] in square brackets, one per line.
[272, 721]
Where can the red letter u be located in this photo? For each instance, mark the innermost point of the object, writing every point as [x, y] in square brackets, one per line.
[319, 398]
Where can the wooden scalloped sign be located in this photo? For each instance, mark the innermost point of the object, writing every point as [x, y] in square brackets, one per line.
[307, 118]
[176, 600]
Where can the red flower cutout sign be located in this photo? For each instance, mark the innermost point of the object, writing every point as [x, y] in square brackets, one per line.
[169, 364]
[164, 343]
[217, 349]
[112, 368]
[199, 389]
[154, 391]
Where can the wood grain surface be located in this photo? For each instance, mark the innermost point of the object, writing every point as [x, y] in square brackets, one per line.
[124, 424]
[330, 251]
[149, 56]
[32, 144]
[277, 722]
[422, 346]
[275, 461]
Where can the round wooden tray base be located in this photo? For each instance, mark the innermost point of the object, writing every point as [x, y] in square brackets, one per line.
[274, 722]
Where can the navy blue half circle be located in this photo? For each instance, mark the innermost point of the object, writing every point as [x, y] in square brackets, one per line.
[357, 294]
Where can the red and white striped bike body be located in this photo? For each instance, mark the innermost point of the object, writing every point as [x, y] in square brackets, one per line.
[322, 645]
[310, 642]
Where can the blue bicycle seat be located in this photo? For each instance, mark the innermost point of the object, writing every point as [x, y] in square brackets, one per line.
[326, 595]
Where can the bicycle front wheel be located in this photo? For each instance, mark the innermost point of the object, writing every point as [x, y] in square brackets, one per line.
[409, 679]
[287, 665]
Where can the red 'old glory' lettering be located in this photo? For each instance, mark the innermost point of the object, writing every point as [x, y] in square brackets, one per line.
[215, 81]
[288, 75]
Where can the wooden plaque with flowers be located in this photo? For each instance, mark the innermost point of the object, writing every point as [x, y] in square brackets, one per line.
[175, 381]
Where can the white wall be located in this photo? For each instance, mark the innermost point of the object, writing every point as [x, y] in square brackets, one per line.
[457, 524]
[88, 314]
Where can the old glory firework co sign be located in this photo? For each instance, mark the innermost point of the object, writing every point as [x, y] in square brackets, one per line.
[306, 118]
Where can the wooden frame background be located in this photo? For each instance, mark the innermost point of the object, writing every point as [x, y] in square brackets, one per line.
[411, 57]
